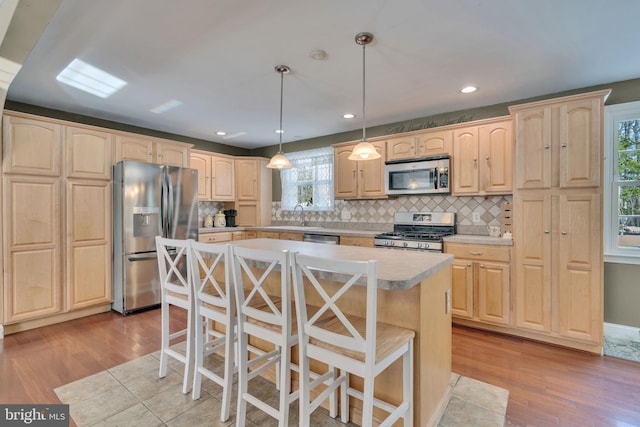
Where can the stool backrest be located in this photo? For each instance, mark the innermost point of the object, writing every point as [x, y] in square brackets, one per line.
[211, 275]
[311, 275]
[174, 266]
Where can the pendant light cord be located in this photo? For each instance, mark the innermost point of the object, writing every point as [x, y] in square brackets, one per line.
[364, 119]
[280, 131]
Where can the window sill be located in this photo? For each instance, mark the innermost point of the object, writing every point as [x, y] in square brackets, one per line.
[622, 258]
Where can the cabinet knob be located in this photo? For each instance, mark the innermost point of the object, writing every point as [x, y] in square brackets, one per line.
[546, 147]
[481, 265]
[487, 158]
[564, 233]
[563, 145]
[475, 253]
[546, 231]
[468, 264]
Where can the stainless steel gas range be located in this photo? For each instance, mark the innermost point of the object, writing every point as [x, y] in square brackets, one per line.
[420, 231]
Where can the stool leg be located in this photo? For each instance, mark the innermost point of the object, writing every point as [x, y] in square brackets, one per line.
[344, 399]
[164, 311]
[242, 379]
[199, 349]
[367, 401]
[285, 385]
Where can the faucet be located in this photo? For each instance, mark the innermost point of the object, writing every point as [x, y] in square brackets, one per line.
[301, 213]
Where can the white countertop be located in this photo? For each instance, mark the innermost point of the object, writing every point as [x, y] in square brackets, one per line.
[397, 270]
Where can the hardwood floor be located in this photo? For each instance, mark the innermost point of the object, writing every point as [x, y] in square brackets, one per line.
[548, 386]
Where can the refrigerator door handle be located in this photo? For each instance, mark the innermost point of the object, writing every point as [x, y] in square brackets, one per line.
[170, 225]
[163, 205]
[146, 258]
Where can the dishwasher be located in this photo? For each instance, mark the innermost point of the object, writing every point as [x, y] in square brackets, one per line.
[321, 238]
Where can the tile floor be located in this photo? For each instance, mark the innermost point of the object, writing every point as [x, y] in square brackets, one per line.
[131, 394]
[621, 348]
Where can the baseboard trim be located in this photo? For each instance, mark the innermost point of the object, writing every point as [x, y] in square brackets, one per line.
[622, 331]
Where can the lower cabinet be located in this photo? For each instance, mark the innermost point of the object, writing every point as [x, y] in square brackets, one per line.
[365, 242]
[223, 236]
[278, 235]
[481, 282]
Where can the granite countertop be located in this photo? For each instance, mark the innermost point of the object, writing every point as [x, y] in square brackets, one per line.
[397, 270]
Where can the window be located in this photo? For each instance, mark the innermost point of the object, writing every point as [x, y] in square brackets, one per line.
[622, 183]
[309, 182]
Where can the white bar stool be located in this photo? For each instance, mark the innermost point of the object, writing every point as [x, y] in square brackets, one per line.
[267, 318]
[355, 345]
[176, 290]
[213, 301]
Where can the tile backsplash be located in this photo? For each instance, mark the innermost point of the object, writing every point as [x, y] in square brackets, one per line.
[378, 214]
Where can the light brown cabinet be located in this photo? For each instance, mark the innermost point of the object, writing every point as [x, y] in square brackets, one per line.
[218, 237]
[268, 235]
[252, 192]
[152, 150]
[483, 158]
[291, 236]
[558, 220]
[481, 283]
[423, 144]
[247, 179]
[88, 153]
[216, 176]
[358, 179]
[559, 144]
[365, 242]
[31, 146]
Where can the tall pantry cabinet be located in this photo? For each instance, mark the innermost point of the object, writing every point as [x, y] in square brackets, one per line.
[56, 220]
[558, 220]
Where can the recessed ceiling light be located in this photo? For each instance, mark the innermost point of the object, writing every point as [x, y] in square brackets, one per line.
[349, 116]
[468, 89]
[318, 55]
[90, 79]
[221, 133]
[166, 106]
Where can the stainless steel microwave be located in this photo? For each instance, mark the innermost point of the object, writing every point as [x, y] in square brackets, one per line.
[417, 176]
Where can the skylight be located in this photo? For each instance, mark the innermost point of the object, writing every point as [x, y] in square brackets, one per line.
[166, 106]
[90, 79]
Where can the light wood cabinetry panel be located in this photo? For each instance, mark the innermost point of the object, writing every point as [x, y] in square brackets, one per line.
[202, 163]
[250, 234]
[402, 147]
[268, 235]
[483, 159]
[223, 178]
[291, 236]
[558, 220]
[358, 179]
[238, 235]
[248, 213]
[224, 236]
[171, 153]
[88, 153]
[423, 144]
[365, 242]
[481, 282]
[31, 146]
[31, 247]
[134, 147]
[247, 174]
[89, 239]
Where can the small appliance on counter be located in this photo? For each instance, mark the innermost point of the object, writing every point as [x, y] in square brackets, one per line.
[219, 220]
[230, 217]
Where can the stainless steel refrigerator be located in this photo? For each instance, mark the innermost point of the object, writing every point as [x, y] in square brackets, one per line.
[149, 200]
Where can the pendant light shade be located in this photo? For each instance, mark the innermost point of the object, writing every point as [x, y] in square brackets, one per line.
[280, 161]
[364, 150]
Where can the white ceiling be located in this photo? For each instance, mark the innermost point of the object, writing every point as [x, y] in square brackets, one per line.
[218, 56]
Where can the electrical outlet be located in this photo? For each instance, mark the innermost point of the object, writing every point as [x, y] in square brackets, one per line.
[345, 214]
[476, 217]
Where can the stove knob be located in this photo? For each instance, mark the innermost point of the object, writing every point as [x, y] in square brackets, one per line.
[419, 245]
[392, 243]
[426, 246]
[405, 244]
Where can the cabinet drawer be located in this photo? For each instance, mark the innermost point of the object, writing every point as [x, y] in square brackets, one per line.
[215, 237]
[268, 235]
[366, 242]
[486, 252]
[291, 236]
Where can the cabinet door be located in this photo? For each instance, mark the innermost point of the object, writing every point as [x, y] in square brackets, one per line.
[434, 143]
[580, 143]
[462, 288]
[401, 148]
[365, 242]
[31, 146]
[533, 148]
[248, 213]
[579, 268]
[202, 163]
[31, 247]
[268, 235]
[222, 178]
[465, 161]
[247, 179]
[238, 235]
[494, 296]
[371, 174]
[88, 153]
[136, 148]
[345, 181]
[172, 154]
[496, 158]
[532, 233]
[88, 248]
[291, 236]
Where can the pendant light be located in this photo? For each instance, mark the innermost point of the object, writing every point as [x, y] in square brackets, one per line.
[280, 161]
[364, 150]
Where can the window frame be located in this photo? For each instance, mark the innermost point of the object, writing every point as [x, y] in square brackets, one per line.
[329, 182]
[612, 115]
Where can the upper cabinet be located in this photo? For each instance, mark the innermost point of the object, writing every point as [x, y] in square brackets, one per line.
[216, 175]
[559, 142]
[142, 148]
[31, 146]
[247, 178]
[87, 153]
[423, 144]
[483, 158]
[358, 179]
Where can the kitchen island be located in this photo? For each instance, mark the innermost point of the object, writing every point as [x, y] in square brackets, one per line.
[413, 292]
